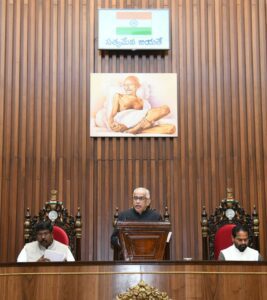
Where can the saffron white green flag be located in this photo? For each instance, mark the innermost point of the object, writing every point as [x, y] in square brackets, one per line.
[134, 23]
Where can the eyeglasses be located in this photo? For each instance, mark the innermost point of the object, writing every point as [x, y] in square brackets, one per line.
[140, 198]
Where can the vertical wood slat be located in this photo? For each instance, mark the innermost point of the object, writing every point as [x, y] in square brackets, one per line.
[67, 116]
[60, 99]
[234, 92]
[7, 158]
[198, 122]
[3, 16]
[258, 112]
[54, 59]
[15, 122]
[218, 100]
[48, 50]
[45, 133]
[30, 126]
[38, 96]
[2, 84]
[263, 76]
[242, 101]
[22, 201]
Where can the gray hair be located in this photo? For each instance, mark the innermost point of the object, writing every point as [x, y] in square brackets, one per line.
[142, 189]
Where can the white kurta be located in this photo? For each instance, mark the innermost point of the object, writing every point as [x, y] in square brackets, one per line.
[232, 253]
[33, 251]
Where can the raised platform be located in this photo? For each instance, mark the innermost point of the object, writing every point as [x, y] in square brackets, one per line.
[105, 280]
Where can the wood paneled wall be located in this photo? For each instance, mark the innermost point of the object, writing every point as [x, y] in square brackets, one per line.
[48, 48]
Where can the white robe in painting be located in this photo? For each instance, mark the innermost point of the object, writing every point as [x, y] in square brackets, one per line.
[129, 117]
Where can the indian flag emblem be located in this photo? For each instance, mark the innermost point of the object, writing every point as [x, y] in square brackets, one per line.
[134, 23]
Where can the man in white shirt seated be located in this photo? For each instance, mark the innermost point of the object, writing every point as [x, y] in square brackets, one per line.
[240, 250]
[37, 251]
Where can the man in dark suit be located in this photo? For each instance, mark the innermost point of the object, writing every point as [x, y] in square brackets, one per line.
[139, 212]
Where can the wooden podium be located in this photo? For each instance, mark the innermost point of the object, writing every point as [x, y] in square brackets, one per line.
[143, 240]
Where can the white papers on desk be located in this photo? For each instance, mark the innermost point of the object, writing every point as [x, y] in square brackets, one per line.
[54, 255]
[169, 237]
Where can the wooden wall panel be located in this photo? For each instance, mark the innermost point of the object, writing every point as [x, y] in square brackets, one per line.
[48, 48]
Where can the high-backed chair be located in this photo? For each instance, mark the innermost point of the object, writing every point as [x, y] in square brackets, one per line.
[66, 228]
[217, 228]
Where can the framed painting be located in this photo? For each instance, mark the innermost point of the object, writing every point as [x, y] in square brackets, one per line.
[133, 105]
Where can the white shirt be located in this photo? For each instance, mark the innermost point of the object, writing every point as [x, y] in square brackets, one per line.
[33, 251]
[232, 253]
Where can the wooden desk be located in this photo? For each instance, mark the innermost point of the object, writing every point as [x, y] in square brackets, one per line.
[104, 280]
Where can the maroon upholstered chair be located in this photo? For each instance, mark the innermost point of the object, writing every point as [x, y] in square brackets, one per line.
[223, 239]
[67, 229]
[60, 235]
[217, 228]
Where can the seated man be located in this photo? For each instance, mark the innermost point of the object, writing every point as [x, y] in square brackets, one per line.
[240, 250]
[140, 212]
[35, 251]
